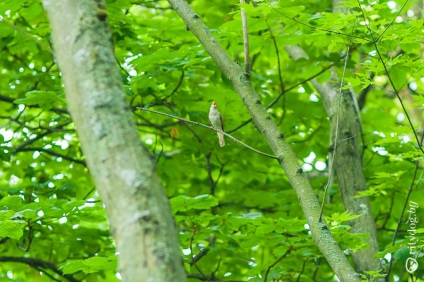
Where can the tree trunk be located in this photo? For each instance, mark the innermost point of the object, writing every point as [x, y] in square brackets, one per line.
[347, 164]
[124, 174]
[287, 159]
[345, 126]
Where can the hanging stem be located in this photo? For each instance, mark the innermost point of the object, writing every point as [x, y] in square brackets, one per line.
[245, 40]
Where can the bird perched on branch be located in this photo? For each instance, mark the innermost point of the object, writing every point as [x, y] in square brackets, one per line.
[216, 120]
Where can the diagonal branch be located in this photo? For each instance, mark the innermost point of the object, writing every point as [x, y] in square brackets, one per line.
[345, 158]
[27, 34]
[286, 157]
[386, 70]
[37, 264]
[50, 152]
[282, 93]
[276, 262]
[7, 99]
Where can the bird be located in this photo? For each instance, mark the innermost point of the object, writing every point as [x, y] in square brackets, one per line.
[216, 120]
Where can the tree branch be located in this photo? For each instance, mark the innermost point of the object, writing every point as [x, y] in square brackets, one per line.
[214, 129]
[27, 34]
[386, 70]
[12, 101]
[275, 263]
[282, 93]
[38, 263]
[50, 152]
[245, 41]
[345, 158]
[286, 157]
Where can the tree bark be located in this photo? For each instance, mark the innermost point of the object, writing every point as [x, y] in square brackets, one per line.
[348, 167]
[345, 127]
[287, 158]
[124, 174]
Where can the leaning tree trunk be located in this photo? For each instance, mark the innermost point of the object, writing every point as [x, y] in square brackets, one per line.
[345, 126]
[137, 207]
[345, 135]
[276, 140]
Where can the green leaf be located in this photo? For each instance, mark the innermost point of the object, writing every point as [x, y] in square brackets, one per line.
[74, 266]
[185, 203]
[96, 264]
[45, 99]
[398, 75]
[6, 214]
[12, 228]
[91, 265]
[250, 215]
[71, 205]
[27, 214]
[12, 202]
[401, 254]
[258, 220]
[337, 218]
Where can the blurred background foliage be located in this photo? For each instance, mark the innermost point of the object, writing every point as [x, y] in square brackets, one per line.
[237, 216]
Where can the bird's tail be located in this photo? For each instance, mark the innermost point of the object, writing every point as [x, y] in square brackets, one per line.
[221, 139]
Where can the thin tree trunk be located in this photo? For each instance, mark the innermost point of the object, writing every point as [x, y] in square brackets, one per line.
[348, 167]
[348, 163]
[345, 125]
[124, 174]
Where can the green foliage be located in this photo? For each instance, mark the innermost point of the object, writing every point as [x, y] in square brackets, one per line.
[44, 99]
[237, 215]
[201, 202]
[90, 265]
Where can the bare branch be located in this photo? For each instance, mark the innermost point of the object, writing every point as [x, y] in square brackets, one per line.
[214, 129]
[52, 153]
[12, 101]
[275, 263]
[38, 263]
[245, 41]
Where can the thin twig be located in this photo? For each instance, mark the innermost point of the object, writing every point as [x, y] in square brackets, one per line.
[209, 169]
[169, 106]
[121, 67]
[212, 182]
[214, 129]
[27, 34]
[399, 223]
[301, 271]
[390, 79]
[281, 94]
[41, 135]
[392, 202]
[177, 86]
[390, 24]
[245, 41]
[11, 100]
[336, 136]
[197, 257]
[275, 263]
[191, 252]
[320, 29]
[37, 264]
[52, 153]
[280, 76]
[46, 273]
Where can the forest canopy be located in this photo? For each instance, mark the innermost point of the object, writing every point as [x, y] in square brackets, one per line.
[237, 212]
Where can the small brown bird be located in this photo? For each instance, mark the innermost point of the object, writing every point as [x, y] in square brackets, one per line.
[216, 120]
